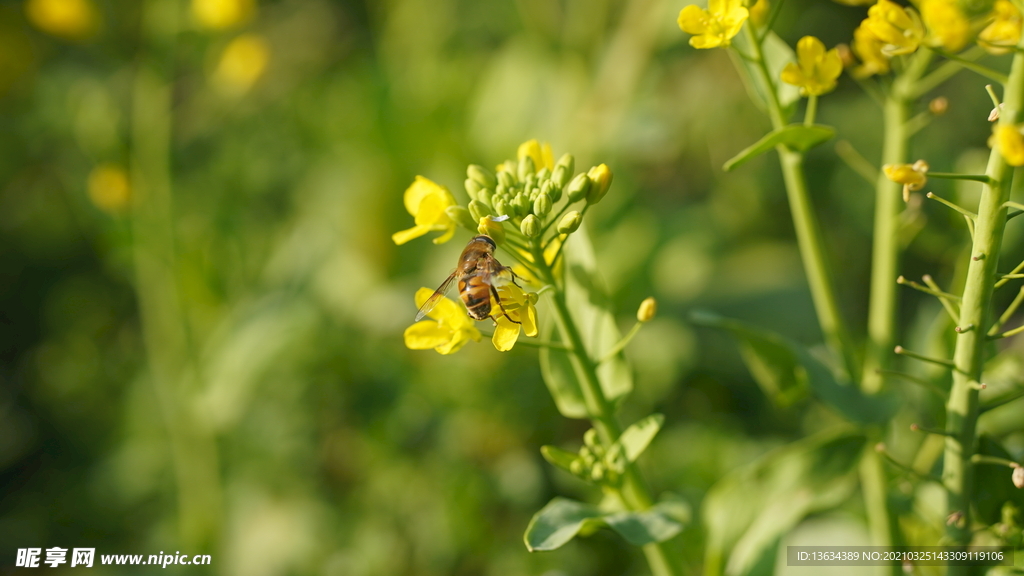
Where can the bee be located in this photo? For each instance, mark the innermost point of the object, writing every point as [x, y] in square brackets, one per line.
[478, 273]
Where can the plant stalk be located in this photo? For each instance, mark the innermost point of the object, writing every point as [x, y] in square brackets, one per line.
[976, 309]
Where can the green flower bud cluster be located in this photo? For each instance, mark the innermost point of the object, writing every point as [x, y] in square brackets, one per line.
[597, 465]
[532, 200]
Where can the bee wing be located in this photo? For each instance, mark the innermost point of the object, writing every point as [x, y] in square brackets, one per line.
[494, 273]
[435, 297]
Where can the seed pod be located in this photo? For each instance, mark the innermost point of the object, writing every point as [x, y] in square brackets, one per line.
[601, 176]
[578, 188]
[462, 216]
[530, 227]
[648, 308]
[542, 205]
[482, 176]
[478, 210]
[491, 228]
[570, 222]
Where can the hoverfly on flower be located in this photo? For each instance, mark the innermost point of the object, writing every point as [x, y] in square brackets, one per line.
[479, 274]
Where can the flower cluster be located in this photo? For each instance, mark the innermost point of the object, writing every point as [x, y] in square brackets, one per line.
[715, 26]
[527, 207]
[950, 25]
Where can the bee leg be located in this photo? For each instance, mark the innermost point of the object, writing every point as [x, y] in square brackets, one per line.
[494, 292]
[514, 275]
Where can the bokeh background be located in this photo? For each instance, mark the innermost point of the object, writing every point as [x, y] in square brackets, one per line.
[201, 309]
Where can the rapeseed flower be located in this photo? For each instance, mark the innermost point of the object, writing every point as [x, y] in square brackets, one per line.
[815, 70]
[448, 329]
[427, 201]
[541, 154]
[242, 63]
[220, 14]
[109, 189]
[521, 308]
[868, 48]
[70, 19]
[1011, 144]
[715, 26]
[900, 29]
[947, 25]
[912, 176]
[1003, 33]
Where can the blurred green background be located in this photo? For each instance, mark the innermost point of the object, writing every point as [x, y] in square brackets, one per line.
[202, 309]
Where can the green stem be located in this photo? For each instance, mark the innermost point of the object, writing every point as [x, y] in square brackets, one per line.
[662, 558]
[812, 110]
[976, 309]
[808, 231]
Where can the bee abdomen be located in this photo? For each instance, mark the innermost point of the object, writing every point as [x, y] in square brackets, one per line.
[477, 298]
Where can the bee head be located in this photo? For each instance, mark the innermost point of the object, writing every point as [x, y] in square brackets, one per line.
[484, 238]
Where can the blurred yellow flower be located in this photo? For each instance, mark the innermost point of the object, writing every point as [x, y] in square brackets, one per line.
[900, 29]
[947, 25]
[426, 201]
[715, 26]
[220, 14]
[912, 176]
[815, 70]
[448, 329]
[759, 12]
[242, 63]
[1003, 33]
[855, 2]
[868, 48]
[1011, 144]
[109, 189]
[540, 154]
[520, 307]
[69, 19]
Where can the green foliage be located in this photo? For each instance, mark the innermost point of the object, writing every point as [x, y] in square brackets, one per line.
[796, 136]
[562, 519]
[777, 54]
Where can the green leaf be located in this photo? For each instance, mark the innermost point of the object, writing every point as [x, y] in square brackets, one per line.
[634, 440]
[661, 522]
[786, 371]
[558, 523]
[776, 54]
[557, 457]
[750, 509]
[589, 307]
[796, 136]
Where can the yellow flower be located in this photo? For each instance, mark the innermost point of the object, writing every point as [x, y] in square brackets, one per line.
[759, 12]
[1003, 33]
[946, 23]
[715, 26]
[856, 2]
[541, 154]
[220, 14]
[242, 63]
[900, 29]
[912, 176]
[868, 48]
[109, 189]
[69, 19]
[520, 307]
[815, 70]
[1011, 144]
[426, 201]
[448, 329]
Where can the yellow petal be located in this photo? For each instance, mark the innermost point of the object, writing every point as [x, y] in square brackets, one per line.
[548, 155]
[792, 74]
[421, 188]
[1011, 144]
[406, 235]
[427, 334]
[692, 20]
[706, 41]
[808, 50]
[459, 339]
[431, 211]
[529, 321]
[505, 334]
[446, 236]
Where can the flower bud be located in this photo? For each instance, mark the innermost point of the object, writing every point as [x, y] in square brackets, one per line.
[1018, 477]
[570, 222]
[542, 205]
[601, 176]
[525, 168]
[530, 227]
[549, 189]
[478, 210]
[543, 174]
[501, 207]
[506, 179]
[578, 188]
[462, 216]
[590, 436]
[485, 195]
[522, 205]
[597, 472]
[938, 106]
[482, 176]
[648, 308]
[576, 467]
[491, 228]
[473, 188]
[567, 162]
